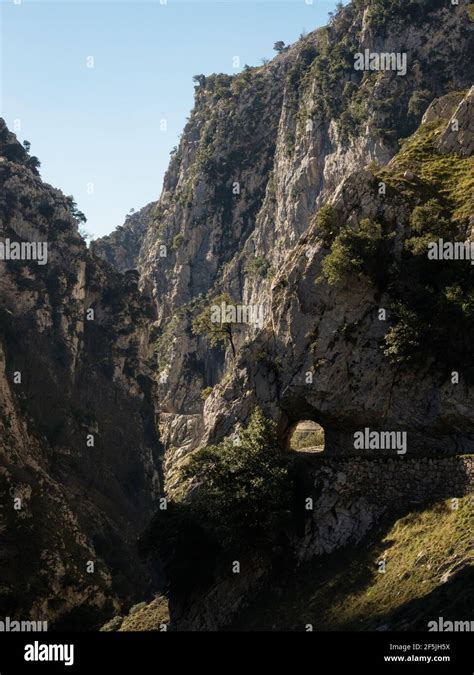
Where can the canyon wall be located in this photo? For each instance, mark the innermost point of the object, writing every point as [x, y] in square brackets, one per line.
[79, 453]
[262, 152]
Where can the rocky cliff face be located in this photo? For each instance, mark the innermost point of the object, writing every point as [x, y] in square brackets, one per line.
[322, 231]
[262, 153]
[292, 192]
[332, 338]
[122, 247]
[79, 464]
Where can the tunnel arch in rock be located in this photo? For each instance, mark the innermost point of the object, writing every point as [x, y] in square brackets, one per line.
[295, 416]
[306, 436]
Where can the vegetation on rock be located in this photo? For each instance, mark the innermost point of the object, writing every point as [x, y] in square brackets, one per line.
[431, 302]
[428, 563]
[216, 332]
[240, 497]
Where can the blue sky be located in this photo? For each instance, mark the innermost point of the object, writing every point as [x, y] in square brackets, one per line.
[97, 130]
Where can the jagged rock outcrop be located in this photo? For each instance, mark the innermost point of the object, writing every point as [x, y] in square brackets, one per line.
[79, 455]
[122, 247]
[334, 333]
[330, 349]
[458, 136]
[240, 214]
[307, 120]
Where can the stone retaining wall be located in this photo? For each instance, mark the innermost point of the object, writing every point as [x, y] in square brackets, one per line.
[350, 495]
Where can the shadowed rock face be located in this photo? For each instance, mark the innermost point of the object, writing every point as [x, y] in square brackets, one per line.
[69, 378]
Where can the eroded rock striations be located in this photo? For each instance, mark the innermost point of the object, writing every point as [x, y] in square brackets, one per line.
[262, 152]
[292, 191]
[79, 455]
[122, 247]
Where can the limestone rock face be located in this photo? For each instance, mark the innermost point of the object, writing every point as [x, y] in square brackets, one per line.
[79, 455]
[262, 152]
[458, 136]
[122, 247]
[333, 333]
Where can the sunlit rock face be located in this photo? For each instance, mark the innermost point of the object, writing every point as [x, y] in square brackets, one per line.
[261, 154]
[330, 339]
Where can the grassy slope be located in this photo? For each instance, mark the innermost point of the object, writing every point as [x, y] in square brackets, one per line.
[444, 176]
[429, 573]
[309, 439]
[142, 617]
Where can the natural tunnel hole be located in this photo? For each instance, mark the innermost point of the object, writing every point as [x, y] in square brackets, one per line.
[306, 436]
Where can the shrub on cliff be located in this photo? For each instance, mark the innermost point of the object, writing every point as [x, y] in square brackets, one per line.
[327, 225]
[360, 252]
[383, 13]
[243, 492]
[216, 332]
[241, 500]
[428, 222]
[258, 267]
[405, 337]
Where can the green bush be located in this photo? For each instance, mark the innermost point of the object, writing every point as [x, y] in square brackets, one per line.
[327, 225]
[383, 13]
[137, 608]
[216, 332]
[243, 496]
[419, 102]
[177, 241]
[206, 392]
[432, 301]
[428, 222]
[239, 499]
[112, 625]
[404, 338]
[258, 267]
[358, 253]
